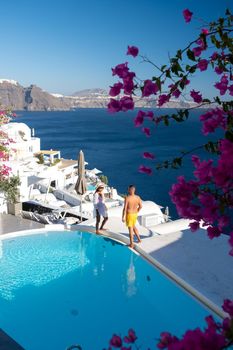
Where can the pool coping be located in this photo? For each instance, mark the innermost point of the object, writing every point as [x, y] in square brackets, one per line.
[137, 250]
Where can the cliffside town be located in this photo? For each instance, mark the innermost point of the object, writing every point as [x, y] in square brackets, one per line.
[33, 98]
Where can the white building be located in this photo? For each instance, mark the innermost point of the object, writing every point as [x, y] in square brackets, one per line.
[24, 145]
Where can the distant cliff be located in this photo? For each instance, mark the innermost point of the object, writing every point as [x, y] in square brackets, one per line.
[30, 98]
[33, 98]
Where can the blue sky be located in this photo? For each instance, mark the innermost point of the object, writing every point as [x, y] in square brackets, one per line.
[65, 46]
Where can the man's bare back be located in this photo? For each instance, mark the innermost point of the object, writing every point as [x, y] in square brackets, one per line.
[133, 204]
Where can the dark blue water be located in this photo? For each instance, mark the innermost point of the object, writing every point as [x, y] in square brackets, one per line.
[59, 289]
[113, 144]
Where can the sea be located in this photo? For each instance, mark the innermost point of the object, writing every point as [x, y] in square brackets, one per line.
[113, 144]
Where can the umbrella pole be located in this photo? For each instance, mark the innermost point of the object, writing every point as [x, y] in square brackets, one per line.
[81, 208]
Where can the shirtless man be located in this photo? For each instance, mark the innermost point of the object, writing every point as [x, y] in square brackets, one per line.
[132, 206]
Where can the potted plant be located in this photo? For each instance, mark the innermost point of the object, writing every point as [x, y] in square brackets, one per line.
[104, 179]
[10, 188]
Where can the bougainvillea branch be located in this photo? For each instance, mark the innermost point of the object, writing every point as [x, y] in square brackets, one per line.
[5, 117]
[207, 199]
[212, 49]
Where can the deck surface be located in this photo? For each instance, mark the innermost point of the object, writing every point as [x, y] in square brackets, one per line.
[10, 223]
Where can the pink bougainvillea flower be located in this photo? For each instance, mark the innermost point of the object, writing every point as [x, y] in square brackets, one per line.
[148, 155]
[163, 99]
[182, 194]
[185, 81]
[133, 51]
[127, 103]
[230, 88]
[231, 239]
[128, 85]
[116, 341]
[214, 56]
[218, 70]
[165, 340]
[208, 339]
[201, 43]
[223, 172]
[187, 15]
[197, 51]
[174, 91]
[212, 325]
[115, 89]
[149, 88]
[203, 65]
[213, 232]
[114, 106]
[194, 226]
[145, 170]
[196, 96]
[222, 85]
[228, 306]
[131, 337]
[138, 121]
[205, 31]
[209, 212]
[150, 114]
[223, 221]
[213, 119]
[121, 70]
[128, 82]
[146, 131]
[203, 171]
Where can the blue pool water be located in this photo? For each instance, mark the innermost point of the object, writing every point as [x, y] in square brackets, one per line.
[90, 188]
[59, 289]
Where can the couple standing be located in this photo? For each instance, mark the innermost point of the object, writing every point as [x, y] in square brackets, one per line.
[132, 205]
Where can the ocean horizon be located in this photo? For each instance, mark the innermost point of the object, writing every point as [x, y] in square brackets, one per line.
[112, 144]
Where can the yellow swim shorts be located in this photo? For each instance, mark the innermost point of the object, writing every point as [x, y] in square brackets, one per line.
[131, 219]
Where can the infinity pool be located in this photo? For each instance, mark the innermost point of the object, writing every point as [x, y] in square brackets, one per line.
[64, 288]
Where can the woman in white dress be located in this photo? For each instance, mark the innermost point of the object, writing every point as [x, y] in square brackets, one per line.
[100, 208]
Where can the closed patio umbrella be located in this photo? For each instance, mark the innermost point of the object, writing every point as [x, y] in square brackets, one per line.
[80, 186]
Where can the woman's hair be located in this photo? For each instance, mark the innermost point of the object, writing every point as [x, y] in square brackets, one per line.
[98, 188]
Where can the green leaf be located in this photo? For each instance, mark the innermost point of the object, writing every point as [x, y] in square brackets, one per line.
[229, 135]
[158, 83]
[211, 147]
[217, 99]
[193, 69]
[206, 100]
[186, 113]
[179, 54]
[163, 67]
[168, 73]
[178, 161]
[190, 55]
[166, 120]
[221, 21]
